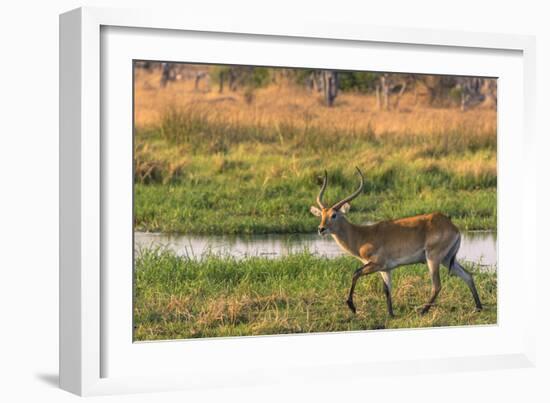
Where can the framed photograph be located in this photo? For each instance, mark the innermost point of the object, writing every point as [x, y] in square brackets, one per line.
[236, 199]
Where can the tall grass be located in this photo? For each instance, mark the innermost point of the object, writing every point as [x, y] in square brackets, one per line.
[203, 128]
[177, 297]
[283, 102]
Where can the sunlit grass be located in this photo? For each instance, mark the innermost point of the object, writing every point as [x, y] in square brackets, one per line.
[282, 103]
[177, 297]
[261, 188]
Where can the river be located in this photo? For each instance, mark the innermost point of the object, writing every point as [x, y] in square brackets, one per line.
[477, 246]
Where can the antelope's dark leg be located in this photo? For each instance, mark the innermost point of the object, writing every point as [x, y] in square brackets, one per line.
[461, 272]
[358, 273]
[365, 269]
[433, 266]
[386, 276]
[388, 300]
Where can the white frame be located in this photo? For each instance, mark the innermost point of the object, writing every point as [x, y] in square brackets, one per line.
[81, 307]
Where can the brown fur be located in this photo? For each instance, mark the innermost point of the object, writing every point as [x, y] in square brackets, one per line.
[389, 244]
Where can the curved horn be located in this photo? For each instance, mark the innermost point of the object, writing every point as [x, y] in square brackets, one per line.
[338, 205]
[322, 191]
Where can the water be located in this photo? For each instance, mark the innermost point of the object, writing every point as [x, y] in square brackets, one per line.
[477, 246]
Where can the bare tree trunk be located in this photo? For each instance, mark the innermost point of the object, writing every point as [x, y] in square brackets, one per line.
[432, 94]
[165, 75]
[197, 81]
[221, 78]
[399, 95]
[385, 91]
[378, 104]
[320, 81]
[198, 77]
[232, 80]
[330, 86]
[492, 91]
[311, 81]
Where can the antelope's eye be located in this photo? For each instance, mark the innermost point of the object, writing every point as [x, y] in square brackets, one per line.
[333, 216]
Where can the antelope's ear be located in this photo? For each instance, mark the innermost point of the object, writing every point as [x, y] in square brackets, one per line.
[345, 208]
[315, 211]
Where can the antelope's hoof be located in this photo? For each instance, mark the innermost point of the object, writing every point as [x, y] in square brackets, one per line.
[351, 306]
[424, 310]
[478, 309]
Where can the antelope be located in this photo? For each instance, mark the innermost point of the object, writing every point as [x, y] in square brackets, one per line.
[381, 247]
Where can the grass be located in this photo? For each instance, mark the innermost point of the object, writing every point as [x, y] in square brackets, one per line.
[262, 185]
[177, 297]
[241, 209]
[210, 163]
[282, 102]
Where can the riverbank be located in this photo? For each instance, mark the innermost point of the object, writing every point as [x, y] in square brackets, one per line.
[177, 297]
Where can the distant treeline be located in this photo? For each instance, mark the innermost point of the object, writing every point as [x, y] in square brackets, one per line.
[438, 90]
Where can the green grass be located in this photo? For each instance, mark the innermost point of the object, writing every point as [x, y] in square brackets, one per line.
[176, 297]
[195, 176]
[243, 209]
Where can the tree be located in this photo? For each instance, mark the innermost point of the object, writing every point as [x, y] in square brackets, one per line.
[389, 84]
[475, 90]
[166, 74]
[242, 76]
[330, 86]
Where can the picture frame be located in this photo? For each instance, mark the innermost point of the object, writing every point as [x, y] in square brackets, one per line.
[96, 357]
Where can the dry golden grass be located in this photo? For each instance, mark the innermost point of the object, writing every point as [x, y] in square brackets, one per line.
[283, 103]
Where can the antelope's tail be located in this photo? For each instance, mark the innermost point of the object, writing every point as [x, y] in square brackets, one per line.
[450, 259]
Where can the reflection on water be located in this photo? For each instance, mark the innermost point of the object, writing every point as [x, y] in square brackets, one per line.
[478, 247]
